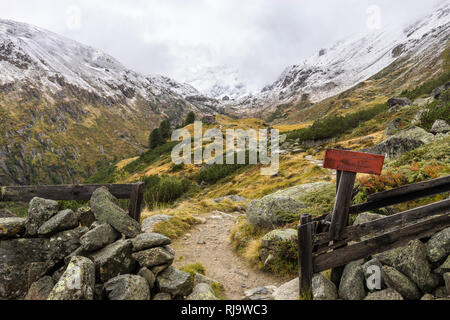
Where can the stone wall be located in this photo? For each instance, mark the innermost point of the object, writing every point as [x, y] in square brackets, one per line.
[93, 253]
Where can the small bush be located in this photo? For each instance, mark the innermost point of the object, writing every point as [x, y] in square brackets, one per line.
[334, 126]
[164, 189]
[432, 114]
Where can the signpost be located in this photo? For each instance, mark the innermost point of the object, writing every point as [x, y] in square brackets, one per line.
[347, 164]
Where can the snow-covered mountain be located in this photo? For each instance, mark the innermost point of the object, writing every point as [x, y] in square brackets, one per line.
[65, 105]
[221, 82]
[28, 53]
[351, 61]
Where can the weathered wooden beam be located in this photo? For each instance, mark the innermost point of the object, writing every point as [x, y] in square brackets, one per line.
[305, 257]
[407, 189]
[343, 200]
[397, 220]
[62, 192]
[389, 198]
[380, 243]
[396, 196]
[137, 195]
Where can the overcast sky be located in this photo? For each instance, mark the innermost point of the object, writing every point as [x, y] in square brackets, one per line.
[260, 38]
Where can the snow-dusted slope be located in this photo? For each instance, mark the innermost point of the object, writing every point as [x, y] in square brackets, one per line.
[67, 108]
[351, 61]
[28, 53]
[217, 82]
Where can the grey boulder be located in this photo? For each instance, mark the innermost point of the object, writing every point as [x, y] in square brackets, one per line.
[153, 257]
[440, 126]
[39, 211]
[98, 237]
[113, 260]
[63, 220]
[40, 289]
[148, 240]
[411, 260]
[323, 289]
[386, 294]
[174, 282]
[401, 283]
[10, 227]
[77, 282]
[438, 247]
[106, 210]
[149, 223]
[287, 291]
[351, 286]
[127, 287]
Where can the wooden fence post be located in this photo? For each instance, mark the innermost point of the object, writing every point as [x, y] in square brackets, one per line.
[305, 258]
[339, 217]
[137, 194]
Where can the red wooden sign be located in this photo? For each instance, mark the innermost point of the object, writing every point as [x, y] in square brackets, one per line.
[353, 161]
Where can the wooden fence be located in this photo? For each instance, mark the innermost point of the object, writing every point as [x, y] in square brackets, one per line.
[132, 191]
[323, 242]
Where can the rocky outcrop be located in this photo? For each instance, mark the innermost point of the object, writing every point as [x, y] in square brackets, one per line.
[400, 101]
[281, 207]
[440, 126]
[402, 142]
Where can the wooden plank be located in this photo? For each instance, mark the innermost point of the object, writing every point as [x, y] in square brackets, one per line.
[376, 204]
[389, 201]
[410, 188]
[137, 194]
[397, 220]
[352, 161]
[305, 257]
[343, 200]
[380, 243]
[62, 192]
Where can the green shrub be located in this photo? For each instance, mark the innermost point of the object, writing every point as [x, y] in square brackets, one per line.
[333, 126]
[149, 157]
[432, 114]
[215, 172]
[155, 139]
[177, 167]
[165, 130]
[164, 189]
[190, 118]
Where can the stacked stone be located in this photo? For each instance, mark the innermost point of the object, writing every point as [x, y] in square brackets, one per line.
[94, 253]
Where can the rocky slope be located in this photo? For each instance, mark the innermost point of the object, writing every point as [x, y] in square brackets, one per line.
[66, 108]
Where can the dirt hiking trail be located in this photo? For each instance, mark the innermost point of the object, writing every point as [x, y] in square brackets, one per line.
[210, 245]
